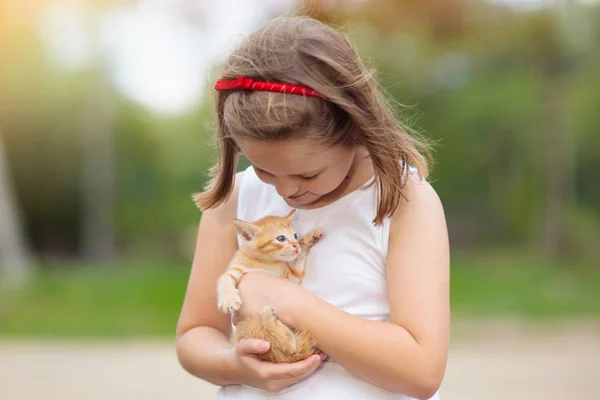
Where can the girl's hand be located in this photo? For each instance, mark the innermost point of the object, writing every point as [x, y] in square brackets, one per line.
[271, 377]
[260, 289]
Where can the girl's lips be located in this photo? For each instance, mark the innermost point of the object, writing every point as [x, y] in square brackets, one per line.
[297, 199]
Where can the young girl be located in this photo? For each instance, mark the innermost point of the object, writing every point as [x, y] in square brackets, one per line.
[296, 101]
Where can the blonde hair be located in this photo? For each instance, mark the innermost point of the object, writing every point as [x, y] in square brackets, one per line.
[301, 50]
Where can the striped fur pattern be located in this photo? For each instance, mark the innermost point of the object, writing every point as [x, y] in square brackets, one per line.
[271, 245]
[287, 345]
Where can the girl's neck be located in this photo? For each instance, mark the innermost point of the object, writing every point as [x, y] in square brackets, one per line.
[360, 172]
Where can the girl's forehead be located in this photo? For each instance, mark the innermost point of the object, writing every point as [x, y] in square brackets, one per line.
[290, 157]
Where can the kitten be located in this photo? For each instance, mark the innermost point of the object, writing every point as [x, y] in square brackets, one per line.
[287, 345]
[270, 244]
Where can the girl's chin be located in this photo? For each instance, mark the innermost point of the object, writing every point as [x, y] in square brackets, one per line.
[296, 202]
[304, 201]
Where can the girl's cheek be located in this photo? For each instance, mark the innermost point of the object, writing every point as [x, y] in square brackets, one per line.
[265, 179]
[322, 188]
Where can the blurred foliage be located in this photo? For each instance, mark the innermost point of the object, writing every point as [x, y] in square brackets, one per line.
[491, 86]
[509, 99]
[144, 299]
[70, 300]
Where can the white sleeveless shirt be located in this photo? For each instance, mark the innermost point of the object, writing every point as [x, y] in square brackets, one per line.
[346, 269]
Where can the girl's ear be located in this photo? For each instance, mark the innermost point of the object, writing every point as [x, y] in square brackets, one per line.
[245, 229]
[290, 214]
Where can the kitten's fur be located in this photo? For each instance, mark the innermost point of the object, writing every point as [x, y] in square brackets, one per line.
[287, 345]
[269, 244]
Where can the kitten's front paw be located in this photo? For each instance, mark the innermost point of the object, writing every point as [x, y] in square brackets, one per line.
[316, 235]
[230, 301]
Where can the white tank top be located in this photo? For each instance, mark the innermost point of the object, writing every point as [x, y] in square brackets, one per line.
[346, 269]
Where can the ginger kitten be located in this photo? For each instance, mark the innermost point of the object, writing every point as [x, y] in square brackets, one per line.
[270, 244]
[287, 345]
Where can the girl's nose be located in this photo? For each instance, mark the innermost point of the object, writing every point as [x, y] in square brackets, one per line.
[286, 189]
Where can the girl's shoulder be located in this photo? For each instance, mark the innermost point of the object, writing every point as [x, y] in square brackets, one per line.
[421, 204]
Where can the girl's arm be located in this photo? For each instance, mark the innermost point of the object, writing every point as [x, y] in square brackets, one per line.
[407, 355]
[203, 345]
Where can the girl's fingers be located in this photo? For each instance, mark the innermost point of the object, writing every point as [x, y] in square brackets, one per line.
[252, 346]
[300, 377]
[273, 371]
[275, 385]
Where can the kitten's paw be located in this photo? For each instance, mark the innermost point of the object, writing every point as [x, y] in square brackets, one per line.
[311, 238]
[230, 301]
[316, 235]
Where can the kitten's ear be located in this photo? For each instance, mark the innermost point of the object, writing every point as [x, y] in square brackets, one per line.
[245, 229]
[291, 214]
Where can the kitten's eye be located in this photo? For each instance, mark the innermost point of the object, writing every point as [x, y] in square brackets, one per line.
[296, 236]
[281, 238]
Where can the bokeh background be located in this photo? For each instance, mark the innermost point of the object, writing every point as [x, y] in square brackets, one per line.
[105, 124]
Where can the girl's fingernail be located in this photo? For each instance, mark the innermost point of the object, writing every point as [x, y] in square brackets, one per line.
[263, 346]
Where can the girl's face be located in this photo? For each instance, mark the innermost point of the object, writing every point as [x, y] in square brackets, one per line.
[301, 170]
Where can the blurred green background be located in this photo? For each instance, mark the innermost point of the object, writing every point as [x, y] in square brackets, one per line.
[105, 123]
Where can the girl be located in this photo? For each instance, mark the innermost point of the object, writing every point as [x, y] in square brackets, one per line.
[296, 101]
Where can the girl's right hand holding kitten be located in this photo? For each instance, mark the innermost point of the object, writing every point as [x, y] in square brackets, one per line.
[271, 377]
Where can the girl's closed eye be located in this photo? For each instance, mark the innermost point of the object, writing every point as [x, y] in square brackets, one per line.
[308, 178]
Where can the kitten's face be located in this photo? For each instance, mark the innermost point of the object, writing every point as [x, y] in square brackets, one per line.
[274, 238]
[278, 242]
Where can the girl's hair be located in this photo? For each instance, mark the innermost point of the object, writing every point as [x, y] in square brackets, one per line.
[301, 50]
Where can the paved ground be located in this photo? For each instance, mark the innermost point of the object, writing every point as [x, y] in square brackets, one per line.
[493, 364]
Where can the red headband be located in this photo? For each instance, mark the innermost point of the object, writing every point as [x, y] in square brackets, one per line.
[249, 84]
